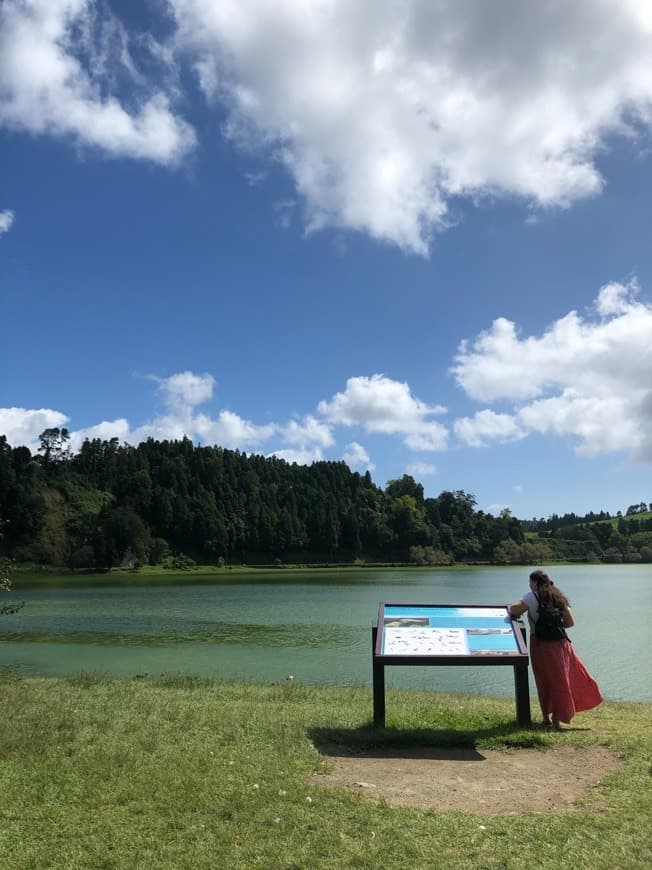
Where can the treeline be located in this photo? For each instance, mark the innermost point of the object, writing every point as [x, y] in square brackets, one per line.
[622, 540]
[174, 503]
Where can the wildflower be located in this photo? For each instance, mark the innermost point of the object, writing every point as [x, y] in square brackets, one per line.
[277, 820]
[308, 800]
[482, 827]
[256, 785]
[282, 792]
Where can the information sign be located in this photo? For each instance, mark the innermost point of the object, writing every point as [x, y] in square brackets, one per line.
[448, 634]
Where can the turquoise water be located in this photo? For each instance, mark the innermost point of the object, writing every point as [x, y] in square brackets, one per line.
[315, 625]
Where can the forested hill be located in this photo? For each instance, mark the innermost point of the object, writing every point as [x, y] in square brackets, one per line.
[173, 503]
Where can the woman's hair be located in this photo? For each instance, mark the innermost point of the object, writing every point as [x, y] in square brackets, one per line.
[547, 592]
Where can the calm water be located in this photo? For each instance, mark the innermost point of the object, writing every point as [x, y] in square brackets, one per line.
[316, 626]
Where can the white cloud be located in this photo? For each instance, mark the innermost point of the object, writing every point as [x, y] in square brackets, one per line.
[301, 457]
[421, 469]
[496, 509]
[232, 431]
[614, 298]
[602, 424]
[183, 392]
[309, 431]
[104, 431]
[22, 426]
[61, 64]
[186, 389]
[487, 426]
[356, 456]
[6, 221]
[284, 210]
[586, 379]
[382, 111]
[380, 404]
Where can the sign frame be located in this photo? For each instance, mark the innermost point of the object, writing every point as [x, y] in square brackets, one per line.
[517, 658]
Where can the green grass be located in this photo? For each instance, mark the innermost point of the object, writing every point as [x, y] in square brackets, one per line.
[27, 576]
[188, 773]
[613, 522]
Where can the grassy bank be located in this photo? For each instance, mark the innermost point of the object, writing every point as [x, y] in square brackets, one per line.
[32, 576]
[183, 773]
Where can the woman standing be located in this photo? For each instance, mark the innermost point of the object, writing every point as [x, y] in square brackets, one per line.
[564, 685]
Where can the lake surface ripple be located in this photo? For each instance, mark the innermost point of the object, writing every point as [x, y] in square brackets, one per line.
[315, 626]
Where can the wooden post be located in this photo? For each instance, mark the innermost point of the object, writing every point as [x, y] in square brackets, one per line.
[378, 671]
[522, 688]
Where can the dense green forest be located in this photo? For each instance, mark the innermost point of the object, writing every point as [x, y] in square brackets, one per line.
[172, 503]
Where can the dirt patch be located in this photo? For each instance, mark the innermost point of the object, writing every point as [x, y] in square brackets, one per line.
[487, 782]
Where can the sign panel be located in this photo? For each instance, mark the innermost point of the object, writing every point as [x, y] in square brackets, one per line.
[448, 634]
[422, 630]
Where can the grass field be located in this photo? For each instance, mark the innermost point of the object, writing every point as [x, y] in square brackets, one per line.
[186, 773]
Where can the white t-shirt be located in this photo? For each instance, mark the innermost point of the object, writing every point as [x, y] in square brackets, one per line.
[532, 606]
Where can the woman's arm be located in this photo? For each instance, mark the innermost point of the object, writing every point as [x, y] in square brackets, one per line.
[567, 618]
[519, 608]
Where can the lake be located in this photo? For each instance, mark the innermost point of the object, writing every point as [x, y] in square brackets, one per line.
[314, 625]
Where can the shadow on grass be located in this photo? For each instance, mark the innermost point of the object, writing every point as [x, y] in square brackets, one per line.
[422, 742]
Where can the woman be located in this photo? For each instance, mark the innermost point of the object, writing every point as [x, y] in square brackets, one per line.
[564, 685]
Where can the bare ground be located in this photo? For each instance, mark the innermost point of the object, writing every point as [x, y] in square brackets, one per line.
[487, 782]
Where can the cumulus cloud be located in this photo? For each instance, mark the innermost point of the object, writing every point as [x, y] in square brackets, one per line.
[306, 440]
[300, 441]
[230, 430]
[381, 405]
[185, 389]
[300, 457]
[307, 432]
[6, 221]
[421, 469]
[66, 70]
[384, 111]
[381, 112]
[104, 431]
[356, 456]
[22, 426]
[586, 377]
[486, 427]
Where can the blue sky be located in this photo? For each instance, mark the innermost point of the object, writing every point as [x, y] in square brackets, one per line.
[417, 240]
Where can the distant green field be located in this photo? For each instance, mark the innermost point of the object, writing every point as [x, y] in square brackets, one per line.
[646, 515]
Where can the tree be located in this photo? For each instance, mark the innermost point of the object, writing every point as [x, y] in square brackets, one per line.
[429, 556]
[646, 554]
[507, 552]
[54, 445]
[405, 485]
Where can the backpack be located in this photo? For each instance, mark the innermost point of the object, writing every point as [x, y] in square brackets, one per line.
[550, 623]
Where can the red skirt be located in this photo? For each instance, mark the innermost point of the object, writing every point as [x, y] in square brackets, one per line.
[564, 685]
